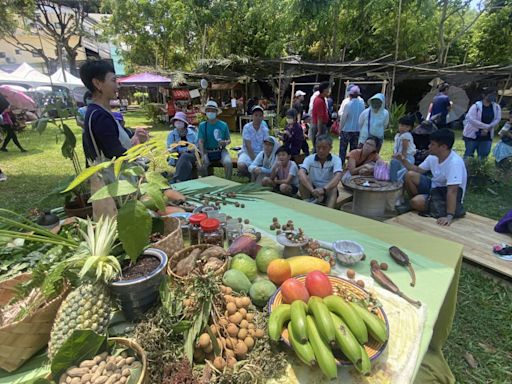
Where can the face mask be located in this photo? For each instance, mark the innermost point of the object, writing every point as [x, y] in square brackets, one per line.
[491, 98]
[211, 115]
[289, 120]
[179, 124]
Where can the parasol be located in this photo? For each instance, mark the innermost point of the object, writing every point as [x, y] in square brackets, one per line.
[17, 99]
[458, 97]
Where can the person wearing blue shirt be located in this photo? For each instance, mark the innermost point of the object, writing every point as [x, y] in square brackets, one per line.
[186, 158]
[213, 138]
[349, 122]
[440, 107]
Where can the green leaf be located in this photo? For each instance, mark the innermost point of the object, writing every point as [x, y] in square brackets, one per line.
[115, 189]
[133, 171]
[134, 228]
[156, 178]
[36, 368]
[69, 144]
[118, 164]
[81, 345]
[155, 193]
[40, 125]
[86, 174]
[134, 375]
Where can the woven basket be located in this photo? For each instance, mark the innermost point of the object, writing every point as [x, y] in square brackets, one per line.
[141, 354]
[173, 240]
[134, 346]
[20, 340]
[176, 257]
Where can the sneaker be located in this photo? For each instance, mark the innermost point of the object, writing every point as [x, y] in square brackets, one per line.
[3, 177]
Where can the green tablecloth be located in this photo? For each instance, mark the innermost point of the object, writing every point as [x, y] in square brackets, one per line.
[437, 261]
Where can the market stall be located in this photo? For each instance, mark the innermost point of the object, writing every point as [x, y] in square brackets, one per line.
[233, 306]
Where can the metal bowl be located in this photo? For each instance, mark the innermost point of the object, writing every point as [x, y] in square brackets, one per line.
[348, 252]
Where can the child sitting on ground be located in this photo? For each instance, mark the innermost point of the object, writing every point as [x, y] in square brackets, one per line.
[283, 178]
[404, 145]
[265, 160]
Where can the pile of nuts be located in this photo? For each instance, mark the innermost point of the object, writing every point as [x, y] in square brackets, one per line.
[102, 369]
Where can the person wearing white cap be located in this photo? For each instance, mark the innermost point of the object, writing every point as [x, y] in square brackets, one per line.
[186, 159]
[213, 139]
[349, 121]
[253, 135]
[297, 103]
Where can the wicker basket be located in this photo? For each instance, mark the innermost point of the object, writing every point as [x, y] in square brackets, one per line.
[134, 346]
[20, 340]
[176, 257]
[141, 354]
[173, 240]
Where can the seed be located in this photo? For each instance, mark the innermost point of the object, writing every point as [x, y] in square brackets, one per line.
[360, 283]
[374, 263]
[272, 227]
[246, 221]
[351, 273]
[243, 206]
[384, 266]
[274, 220]
[240, 220]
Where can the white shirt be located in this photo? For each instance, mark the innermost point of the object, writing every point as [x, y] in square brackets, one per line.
[320, 175]
[399, 143]
[256, 137]
[452, 171]
[312, 100]
[294, 170]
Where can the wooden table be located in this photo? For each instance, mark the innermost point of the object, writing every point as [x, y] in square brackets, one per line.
[475, 233]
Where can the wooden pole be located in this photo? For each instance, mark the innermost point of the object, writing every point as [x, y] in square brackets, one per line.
[397, 44]
[279, 89]
[504, 88]
[293, 92]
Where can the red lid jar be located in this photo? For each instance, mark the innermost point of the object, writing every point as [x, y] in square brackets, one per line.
[211, 232]
[197, 218]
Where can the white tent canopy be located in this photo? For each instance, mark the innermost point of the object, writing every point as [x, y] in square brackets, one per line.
[29, 74]
[63, 77]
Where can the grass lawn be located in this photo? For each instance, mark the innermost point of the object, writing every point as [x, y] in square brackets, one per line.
[482, 322]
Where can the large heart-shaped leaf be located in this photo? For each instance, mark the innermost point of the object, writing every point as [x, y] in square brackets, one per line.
[69, 144]
[134, 228]
[155, 193]
[81, 345]
[115, 189]
[86, 174]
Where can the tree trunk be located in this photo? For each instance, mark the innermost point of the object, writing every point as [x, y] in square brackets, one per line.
[441, 44]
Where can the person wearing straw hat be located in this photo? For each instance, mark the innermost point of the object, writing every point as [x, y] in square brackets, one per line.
[253, 135]
[176, 144]
[213, 137]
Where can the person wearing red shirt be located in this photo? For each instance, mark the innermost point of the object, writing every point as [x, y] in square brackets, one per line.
[320, 113]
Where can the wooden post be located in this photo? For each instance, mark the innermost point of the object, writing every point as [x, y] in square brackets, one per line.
[504, 88]
[397, 44]
[339, 91]
[279, 90]
[293, 92]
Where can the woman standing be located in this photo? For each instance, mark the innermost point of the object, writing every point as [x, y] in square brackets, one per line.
[103, 136]
[481, 119]
[374, 120]
[8, 125]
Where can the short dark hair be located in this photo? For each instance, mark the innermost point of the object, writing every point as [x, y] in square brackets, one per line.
[406, 120]
[443, 87]
[283, 149]
[291, 112]
[94, 69]
[87, 95]
[315, 87]
[323, 86]
[378, 142]
[324, 137]
[443, 136]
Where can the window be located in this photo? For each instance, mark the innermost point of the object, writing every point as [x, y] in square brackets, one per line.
[2, 55]
[17, 51]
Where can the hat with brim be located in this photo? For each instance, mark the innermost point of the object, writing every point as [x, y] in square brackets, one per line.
[257, 108]
[300, 93]
[181, 116]
[211, 105]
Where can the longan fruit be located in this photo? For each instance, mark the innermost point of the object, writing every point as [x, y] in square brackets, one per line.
[242, 333]
[243, 312]
[360, 283]
[231, 308]
[259, 333]
[249, 317]
[232, 330]
[249, 342]
[351, 273]
[244, 324]
[239, 303]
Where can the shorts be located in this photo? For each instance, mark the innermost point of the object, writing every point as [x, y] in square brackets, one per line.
[425, 185]
[244, 158]
[294, 189]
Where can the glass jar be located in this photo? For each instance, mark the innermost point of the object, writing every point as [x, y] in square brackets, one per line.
[211, 232]
[233, 230]
[222, 217]
[194, 227]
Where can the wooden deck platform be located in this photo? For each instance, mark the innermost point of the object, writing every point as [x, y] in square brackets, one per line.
[475, 233]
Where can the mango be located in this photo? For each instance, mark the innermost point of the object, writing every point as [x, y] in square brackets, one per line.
[278, 271]
[261, 291]
[292, 289]
[236, 280]
[301, 265]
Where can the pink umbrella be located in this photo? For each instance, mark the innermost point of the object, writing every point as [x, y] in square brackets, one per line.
[17, 99]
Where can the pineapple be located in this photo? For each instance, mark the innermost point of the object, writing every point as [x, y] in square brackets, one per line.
[89, 305]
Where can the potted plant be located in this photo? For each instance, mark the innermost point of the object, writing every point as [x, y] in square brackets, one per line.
[134, 190]
[75, 201]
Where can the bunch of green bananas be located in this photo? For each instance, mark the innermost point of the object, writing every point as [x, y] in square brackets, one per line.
[321, 324]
